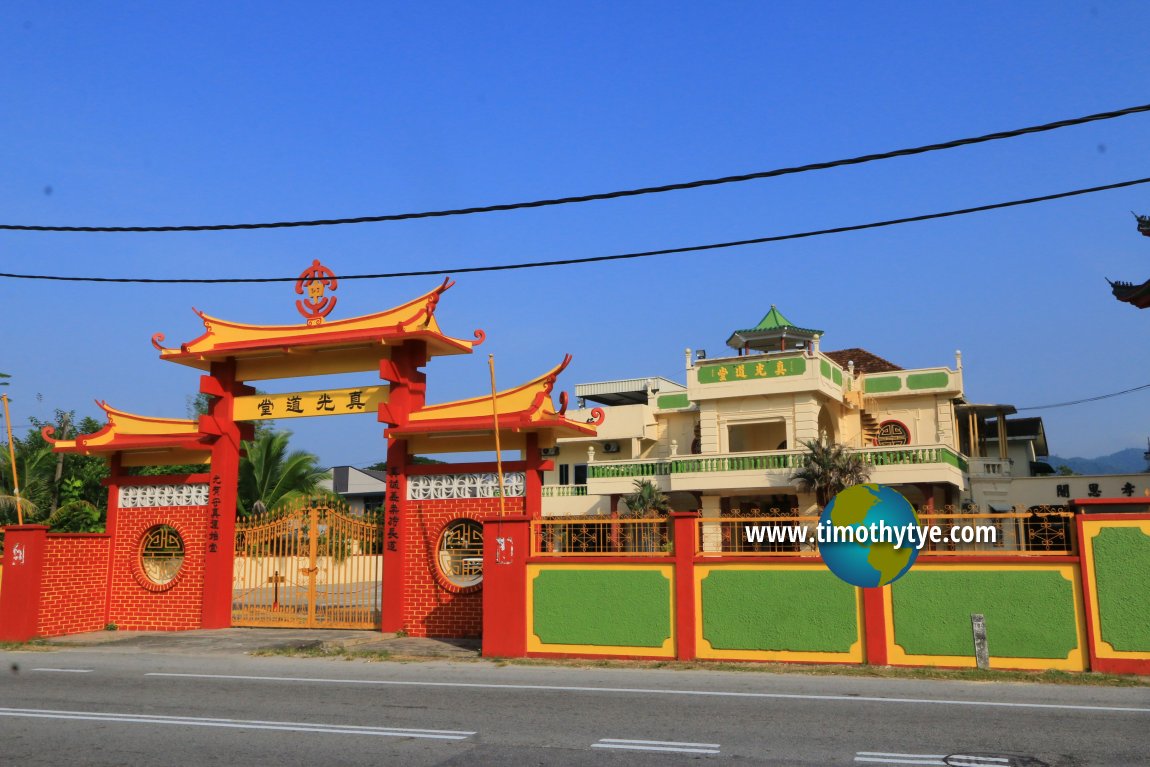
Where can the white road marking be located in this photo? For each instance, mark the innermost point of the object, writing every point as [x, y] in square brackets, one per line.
[946, 760]
[657, 745]
[935, 760]
[651, 691]
[243, 724]
[66, 670]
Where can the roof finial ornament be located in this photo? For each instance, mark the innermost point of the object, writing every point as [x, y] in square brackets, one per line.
[315, 280]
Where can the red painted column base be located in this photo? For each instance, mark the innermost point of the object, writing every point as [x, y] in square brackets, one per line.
[874, 623]
[685, 532]
[506, 546]
[24, 551]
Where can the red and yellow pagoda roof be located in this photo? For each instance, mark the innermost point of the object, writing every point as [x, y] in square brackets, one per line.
[140, 440]
[469, 424]
[341, 346]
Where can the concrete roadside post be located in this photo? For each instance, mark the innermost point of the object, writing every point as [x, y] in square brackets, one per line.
[981, 650]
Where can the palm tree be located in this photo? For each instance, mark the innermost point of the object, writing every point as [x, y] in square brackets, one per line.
[828, 469]
[647, 500]
[270, 476]
[34, 466]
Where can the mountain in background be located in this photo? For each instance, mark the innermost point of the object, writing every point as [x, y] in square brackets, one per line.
[1128, 461]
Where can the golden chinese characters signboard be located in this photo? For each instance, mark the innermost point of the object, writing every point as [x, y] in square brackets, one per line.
[258, 407]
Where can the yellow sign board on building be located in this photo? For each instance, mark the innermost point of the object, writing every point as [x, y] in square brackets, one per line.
[303, 404]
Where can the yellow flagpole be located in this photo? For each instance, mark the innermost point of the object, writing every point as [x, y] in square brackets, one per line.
[12, 458]
[495, 419]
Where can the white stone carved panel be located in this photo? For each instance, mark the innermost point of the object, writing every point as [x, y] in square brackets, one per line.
[428, 487]
[152, 496]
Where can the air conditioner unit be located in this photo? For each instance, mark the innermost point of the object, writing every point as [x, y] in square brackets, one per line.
[610, 447]
[549, 452]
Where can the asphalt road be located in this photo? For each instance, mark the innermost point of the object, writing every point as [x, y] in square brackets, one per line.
[109, 706]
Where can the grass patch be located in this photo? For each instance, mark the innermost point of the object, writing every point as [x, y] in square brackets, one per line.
[322, 650]
[34, 645]
[872, 672]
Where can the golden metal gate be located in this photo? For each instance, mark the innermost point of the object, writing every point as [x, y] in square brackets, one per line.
[313, 566]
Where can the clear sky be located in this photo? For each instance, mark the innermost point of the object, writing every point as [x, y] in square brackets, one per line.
[157, 113]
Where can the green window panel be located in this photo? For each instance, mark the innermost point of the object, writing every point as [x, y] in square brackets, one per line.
[779, 610]
[623, 608]
[1028, 614]
[1122, 583]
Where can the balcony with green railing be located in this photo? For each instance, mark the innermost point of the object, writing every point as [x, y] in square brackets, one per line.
[679, 470]
[564, 491]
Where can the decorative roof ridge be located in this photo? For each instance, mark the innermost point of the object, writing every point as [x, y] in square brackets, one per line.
[545, 380]
[401, 317]
[120, 423]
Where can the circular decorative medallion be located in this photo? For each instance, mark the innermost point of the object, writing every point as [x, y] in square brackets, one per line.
[460, 553]
[161, 555]
[891, 433]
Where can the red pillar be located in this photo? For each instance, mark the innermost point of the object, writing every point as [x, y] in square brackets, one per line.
[874, 625]
[222, 491]
[506, 546]
[115, 476]
[395, 527]
[24, 547]
[406, 394]
[533, 473]
[685, 532]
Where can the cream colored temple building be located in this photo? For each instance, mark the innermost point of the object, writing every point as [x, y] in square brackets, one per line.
[730, 438]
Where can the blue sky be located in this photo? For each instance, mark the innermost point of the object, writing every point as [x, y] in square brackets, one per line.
[145, 113]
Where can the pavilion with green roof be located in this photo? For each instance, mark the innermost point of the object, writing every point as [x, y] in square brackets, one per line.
[774, 333]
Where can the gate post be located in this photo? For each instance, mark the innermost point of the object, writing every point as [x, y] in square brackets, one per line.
[220, 547]
[24, 551]
[684, 538]
[506, 546]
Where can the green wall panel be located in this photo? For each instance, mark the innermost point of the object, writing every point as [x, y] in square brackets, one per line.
[1122, 583]
[1028, 614]
[673, 401]
[629, 608]
[781, 610]
[927, 380]
[836, 375]
[880, 384]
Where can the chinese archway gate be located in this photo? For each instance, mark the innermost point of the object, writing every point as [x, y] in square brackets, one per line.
[327, 568]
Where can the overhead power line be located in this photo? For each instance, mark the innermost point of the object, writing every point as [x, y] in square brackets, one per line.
[1087, 399]
[588, 259]
[861, 159]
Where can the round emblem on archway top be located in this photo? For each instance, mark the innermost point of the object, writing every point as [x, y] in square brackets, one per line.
[316, 280]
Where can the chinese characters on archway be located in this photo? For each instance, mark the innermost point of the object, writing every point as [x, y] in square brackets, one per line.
[364, 399]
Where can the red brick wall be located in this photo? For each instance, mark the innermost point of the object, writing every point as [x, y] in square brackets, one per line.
[434, 607]
[75, 583]
[138, 605]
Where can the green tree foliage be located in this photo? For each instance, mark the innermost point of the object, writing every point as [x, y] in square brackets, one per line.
[828, 469]
[647, 500]
[271, 476]
[49, 480]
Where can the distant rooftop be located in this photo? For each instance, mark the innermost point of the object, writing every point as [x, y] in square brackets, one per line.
[864, 361]
[627, 391]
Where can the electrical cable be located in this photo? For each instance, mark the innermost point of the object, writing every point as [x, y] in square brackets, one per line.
[588, 259]
[602, 195]
[1087, 399]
